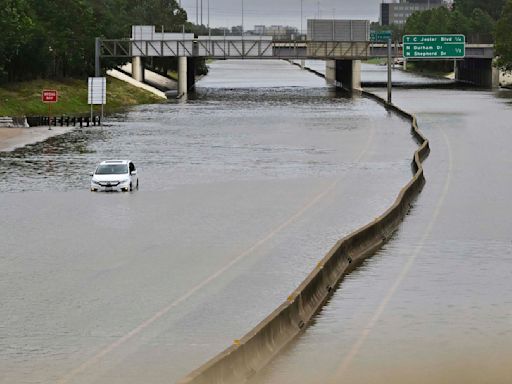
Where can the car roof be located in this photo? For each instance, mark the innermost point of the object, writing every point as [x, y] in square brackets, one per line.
[115, 162]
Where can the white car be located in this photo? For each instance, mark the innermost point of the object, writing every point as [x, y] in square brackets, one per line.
[115, 175]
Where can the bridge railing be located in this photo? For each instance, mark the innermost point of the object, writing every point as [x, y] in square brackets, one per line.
[218, 47]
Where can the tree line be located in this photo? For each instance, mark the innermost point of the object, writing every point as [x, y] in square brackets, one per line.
[55, 38]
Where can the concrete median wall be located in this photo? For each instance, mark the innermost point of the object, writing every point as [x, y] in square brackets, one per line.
[251, 353]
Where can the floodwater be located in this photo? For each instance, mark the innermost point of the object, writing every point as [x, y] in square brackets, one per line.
[435, 304]
[243, 189]
[378, 74]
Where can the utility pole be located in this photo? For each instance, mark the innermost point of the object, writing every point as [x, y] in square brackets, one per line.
[208, 15]
[389, 70]
[301, 17]
[197, 12]
[201, 12]
[242, 17]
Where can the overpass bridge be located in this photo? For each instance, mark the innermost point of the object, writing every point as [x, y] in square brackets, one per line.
[342, 58]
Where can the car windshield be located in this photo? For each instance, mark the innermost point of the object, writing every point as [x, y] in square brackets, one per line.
[112, 169]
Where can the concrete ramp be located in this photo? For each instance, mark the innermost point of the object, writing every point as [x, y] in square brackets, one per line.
[154, 79]
[128, 79]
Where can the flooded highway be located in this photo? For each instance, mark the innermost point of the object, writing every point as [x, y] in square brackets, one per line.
[435, 304]
[243, 189]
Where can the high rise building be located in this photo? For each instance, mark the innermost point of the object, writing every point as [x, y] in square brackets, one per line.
[398, 13]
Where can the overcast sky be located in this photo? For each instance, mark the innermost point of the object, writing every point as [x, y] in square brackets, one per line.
[283, 12]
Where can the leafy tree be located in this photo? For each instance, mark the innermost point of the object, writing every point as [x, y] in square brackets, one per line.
[481, 26]
[16, 24]
[492, 7]
[504, 38]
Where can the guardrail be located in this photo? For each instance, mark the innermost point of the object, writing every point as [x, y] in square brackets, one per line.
[254, 350]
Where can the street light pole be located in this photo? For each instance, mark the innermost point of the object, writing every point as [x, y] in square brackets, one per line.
[301, 17]
[242, 17]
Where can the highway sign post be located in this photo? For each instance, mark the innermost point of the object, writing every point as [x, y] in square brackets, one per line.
[97, 93]
[49, 96]
[434, 47]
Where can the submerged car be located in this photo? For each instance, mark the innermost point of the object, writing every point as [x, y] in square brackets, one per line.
[115, 175]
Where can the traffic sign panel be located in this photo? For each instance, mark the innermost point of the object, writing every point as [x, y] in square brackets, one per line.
[380, 35]
[434, 46]
[49, 96]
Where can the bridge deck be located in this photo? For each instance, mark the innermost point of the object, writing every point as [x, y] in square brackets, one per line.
[255, 48]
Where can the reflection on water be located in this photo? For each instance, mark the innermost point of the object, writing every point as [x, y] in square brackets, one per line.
[220, 134]
[243, 190]
[435, 304]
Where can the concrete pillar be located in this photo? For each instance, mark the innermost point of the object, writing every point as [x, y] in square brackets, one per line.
[191, 73]
[405, 65]
[138, 68]
[479, 72]
[182, 76]
[302, 64]
[344, 74]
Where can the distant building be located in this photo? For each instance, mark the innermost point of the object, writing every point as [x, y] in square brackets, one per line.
[277, 31]
[398, 13]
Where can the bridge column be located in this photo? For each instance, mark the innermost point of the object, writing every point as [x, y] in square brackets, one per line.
[182, 76]
[344, 74]
[479, 72]
[138, 68]
[191, 73]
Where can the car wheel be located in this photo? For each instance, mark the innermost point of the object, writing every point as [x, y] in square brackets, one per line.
[131, 188]
[137, 184]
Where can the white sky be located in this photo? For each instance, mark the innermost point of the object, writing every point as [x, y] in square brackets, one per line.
[283, 12]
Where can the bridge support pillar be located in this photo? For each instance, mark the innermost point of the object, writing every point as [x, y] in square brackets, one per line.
[191, 73]
[344, 74]
[182, 76]
[302, 64]
[138, 68]
[479, 72]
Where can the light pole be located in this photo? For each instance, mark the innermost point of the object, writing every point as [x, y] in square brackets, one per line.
[301, 17]
[242, 17]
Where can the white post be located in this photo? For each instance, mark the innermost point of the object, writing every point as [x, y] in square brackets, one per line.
[137, 68]
[182, 76]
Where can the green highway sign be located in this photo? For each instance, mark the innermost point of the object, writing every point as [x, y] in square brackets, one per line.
[380, 35]
[434, 46]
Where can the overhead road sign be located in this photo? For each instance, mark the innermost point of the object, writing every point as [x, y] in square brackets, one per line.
[434, 46]
[380, 35]
[49, 96]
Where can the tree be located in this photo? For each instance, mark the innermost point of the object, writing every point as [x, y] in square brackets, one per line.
[482, 27]
[504, 38]
[16, 24]
[492, 7]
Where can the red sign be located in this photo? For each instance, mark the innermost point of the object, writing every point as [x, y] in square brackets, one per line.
[49, 96]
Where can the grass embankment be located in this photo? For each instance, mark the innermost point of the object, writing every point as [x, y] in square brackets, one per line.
[24, 98]
[427, 70]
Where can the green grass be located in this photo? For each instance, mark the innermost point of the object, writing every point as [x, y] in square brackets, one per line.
[425, 70]
[24, 98]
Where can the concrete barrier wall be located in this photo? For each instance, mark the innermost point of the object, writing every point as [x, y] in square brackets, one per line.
[251, 353]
